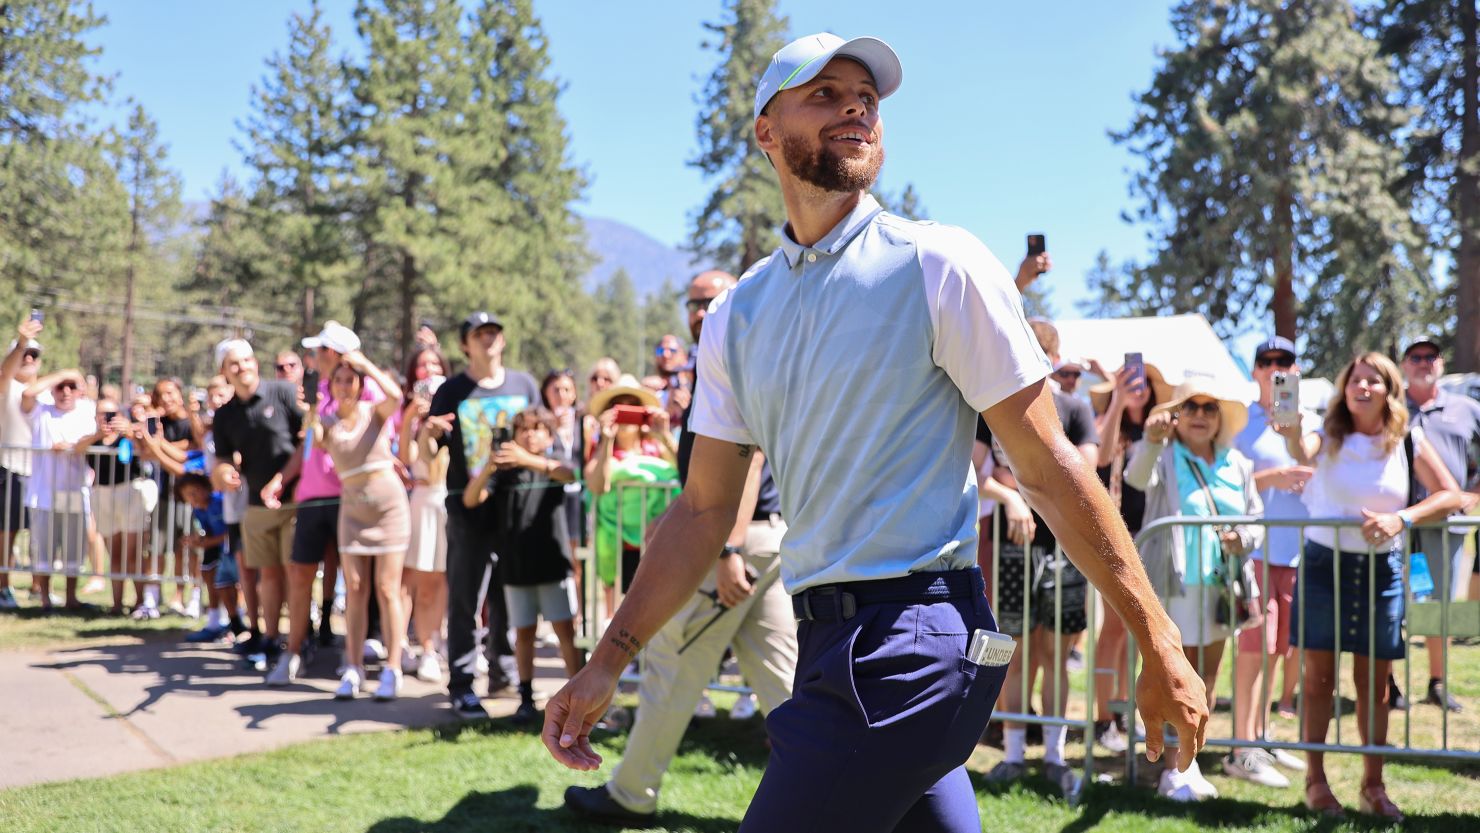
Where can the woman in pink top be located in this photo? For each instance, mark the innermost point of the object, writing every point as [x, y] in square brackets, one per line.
[374, 514]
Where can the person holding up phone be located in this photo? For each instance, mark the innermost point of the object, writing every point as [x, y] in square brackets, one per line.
[1035, 263]
[17, 370]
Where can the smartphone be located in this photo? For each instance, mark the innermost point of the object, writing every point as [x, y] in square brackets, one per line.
[37, 315]
[311, 387]
[151, 425]
[1286, 395]
[109, 416]
[1138, 367]
[631, 415]
[502, 431]
[1037, 244]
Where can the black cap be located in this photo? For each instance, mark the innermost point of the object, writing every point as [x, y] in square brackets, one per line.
[476, 320]
[1423, 342]
[1275, 344]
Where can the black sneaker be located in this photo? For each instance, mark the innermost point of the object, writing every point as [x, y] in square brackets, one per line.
[326, 633]
[250, 645]
[1396, 701]
[526, 714]
[597, 804]
[1439, 696]
[468, 707]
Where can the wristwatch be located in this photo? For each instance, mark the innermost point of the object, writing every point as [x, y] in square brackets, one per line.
[729, 550]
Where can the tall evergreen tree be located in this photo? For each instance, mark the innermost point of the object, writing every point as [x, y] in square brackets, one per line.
[617, 320]
[737, 224]
[296, 147]
[153, 193]
[59, 201]
[1266, 138]
[1437, 44]
[522, 240]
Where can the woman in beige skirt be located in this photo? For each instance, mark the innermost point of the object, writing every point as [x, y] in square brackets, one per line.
[374, 516]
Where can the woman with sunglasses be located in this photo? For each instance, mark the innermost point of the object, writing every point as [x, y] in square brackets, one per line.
[1366, 460]
[1187, 467]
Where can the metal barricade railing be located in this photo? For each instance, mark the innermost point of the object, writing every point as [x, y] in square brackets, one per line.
[1440, 618]
[92, 513]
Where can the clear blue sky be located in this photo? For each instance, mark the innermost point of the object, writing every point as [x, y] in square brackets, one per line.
[1001, 122]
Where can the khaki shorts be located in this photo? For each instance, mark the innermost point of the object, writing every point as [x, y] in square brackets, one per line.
[267, 537]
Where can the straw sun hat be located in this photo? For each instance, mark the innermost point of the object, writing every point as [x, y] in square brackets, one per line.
[627, 385]
[1235, 414]
[1099, 395]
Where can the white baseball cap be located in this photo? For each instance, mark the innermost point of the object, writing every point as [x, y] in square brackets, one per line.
[336, 337]
[799, 62]
[230, 347]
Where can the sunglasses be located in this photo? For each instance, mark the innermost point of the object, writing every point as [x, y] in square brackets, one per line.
[287, 366]
[1206, 408]
[33, 355]
[696, 304]
[1281, 360]
[666, 351]
[65, 387]
[1422, 358]
[1067, 374]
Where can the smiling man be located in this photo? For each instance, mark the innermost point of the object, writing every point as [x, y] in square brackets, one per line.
[859, 356]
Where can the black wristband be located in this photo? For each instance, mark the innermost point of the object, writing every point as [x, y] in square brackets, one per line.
[729, 550]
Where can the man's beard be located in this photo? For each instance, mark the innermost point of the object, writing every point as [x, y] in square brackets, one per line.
[829, 171]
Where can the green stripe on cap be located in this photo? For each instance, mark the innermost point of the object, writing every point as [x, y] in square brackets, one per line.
[797, 70]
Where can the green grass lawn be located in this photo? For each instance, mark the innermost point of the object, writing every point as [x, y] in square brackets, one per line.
[31, 629]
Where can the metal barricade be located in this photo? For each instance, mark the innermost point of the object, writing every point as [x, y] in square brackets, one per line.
[1440, 618]
[91, 513]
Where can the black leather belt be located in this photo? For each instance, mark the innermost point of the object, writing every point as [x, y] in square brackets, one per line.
[840, 602]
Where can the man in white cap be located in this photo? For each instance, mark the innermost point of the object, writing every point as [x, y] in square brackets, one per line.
[859, 356]
[17, 371]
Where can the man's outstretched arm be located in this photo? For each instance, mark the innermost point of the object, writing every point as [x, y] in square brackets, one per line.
[1056, 480]
[681, 550]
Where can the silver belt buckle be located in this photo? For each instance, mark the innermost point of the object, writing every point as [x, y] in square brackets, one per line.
[990, 649]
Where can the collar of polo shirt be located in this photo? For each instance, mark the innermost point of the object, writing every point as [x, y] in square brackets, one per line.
[834, 241]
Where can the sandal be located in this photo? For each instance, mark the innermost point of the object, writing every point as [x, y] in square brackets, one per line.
[1373, 800]
[1319, 798]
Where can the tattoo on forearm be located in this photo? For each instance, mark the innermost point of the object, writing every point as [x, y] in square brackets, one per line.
[746, 450]
[626, 643]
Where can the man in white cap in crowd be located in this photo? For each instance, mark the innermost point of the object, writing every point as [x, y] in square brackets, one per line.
[256, 434]
[17, 371]
[859, 356]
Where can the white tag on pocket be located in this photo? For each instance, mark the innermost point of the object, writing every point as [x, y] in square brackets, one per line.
[990, 648]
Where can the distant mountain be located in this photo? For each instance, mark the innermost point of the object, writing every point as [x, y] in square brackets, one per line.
[647, 261]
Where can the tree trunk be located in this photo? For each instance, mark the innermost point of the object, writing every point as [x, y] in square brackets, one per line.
[127, 371]
[307, 324]
[408, 306]
[1467, 203]
[1283, 302]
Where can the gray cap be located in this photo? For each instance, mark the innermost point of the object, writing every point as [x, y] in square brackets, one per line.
[799, 62]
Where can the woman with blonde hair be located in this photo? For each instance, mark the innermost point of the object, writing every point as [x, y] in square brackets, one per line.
[1187, 466]
[1366, 461]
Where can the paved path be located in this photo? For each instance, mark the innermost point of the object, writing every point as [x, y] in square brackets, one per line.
[91, 711]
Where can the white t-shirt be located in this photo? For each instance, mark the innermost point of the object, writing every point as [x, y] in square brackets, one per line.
[58, 477]
[15, 430]
[1360, 476]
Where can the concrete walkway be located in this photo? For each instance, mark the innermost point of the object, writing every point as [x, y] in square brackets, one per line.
[100, 710]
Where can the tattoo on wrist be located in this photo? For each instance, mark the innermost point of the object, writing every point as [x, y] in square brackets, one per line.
[746, 450]
[626, 643]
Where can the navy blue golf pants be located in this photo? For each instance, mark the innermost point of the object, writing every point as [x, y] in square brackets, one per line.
[884, 712]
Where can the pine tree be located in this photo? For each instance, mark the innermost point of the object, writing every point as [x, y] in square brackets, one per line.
[737, 225]
[59, 202]
[519, 227]
[1267, 142]
[295, 145]
[617, 320]
[1437, 44]
[153, 193]
[906, 205]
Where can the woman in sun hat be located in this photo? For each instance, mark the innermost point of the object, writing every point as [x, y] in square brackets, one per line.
[1187, 466]
[1366, 461]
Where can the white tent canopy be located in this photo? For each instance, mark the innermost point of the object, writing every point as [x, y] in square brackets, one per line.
[1176, 344]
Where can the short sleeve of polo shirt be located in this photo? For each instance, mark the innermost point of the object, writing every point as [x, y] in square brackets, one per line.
[981, 339]
[715, 412]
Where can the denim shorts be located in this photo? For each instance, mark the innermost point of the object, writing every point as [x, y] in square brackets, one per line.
[1367, 618]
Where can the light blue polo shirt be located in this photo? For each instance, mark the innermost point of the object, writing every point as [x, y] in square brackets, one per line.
[1266, 450]
[859, 366]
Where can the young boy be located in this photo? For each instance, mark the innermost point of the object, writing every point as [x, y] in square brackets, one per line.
[533, 544]
[218, 563]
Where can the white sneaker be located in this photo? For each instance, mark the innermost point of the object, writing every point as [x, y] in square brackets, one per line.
[1288, 759]
[1200, 784]
[144, 612]
[349, 684]
[480, 665]
[1173, 785]
[409, 662]
[1255, 766]
[375, 650]
[429, 669]
[286, 670]
[192, 610]
[744, 708]
[390, 684]
[705, 707]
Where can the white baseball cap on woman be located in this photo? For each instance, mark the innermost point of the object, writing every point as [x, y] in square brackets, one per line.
[799, 62]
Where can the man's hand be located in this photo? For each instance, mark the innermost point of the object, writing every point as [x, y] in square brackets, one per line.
[27, 330]
[228, 479]
[571, 713]
[1169, 691]
[437, 427]
[272, 493]
[732, 580]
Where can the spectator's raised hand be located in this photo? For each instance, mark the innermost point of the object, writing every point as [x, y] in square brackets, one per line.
[659, 420]
[1159, 427]
[608, 421]
[437, 426]
[680, 398]
[28, 329]
[1290, 478]
[1031, 267]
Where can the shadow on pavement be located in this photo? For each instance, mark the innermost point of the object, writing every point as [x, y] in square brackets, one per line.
[513, 810]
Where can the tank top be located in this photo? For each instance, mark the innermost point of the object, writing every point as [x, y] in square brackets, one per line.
[359, 446]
